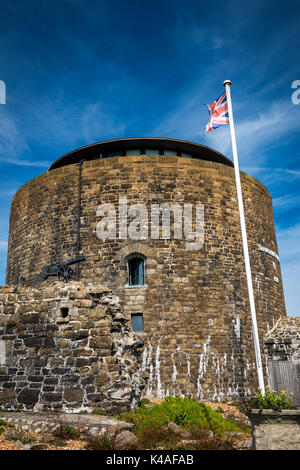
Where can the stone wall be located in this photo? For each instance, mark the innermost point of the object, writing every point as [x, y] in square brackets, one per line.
[48, 422]
[197, 323]
[282, 342]
[273, 430]
[68, 347]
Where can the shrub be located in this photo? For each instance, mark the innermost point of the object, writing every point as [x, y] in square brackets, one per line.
[22, 436]
[144, 401]
[270, 401]
[3, 425]
[182, 411]
[98, 442]
[66, 432]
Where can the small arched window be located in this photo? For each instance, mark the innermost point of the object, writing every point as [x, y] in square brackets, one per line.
[136, 269]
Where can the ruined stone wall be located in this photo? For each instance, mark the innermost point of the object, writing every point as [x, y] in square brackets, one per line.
[198, 335]
[68, 347]
[282, 342]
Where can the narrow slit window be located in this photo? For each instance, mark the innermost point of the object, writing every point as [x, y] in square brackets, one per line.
[137, 323]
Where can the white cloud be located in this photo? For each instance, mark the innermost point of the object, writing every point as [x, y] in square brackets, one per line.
[259, 133]
[12, 145]
[256, 135]
[288, 201]
[289, 251]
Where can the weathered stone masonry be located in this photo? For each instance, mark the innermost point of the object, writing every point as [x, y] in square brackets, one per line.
[282, 342]
[67, 346]
[197, 324]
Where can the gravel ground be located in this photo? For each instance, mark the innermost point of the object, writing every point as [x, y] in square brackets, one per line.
[6, 444]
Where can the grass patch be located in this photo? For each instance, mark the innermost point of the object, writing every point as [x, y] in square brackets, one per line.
[182, 411]
[206, 426]
[99, 412]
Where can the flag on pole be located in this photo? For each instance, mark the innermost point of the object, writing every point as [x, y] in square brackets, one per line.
[218, 113]
[227, 85]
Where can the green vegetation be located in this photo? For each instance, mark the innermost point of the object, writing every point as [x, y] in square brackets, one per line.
[182, 411]
[199, 427]
[98, 442]
[65, 432]
[4, 425]
[144, 401]
[22, 436]
[206, 426]
[270, 401]
[99, 411]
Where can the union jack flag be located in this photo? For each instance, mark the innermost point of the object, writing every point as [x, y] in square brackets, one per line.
[218, 113]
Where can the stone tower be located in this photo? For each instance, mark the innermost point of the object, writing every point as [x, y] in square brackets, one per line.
[188, 303]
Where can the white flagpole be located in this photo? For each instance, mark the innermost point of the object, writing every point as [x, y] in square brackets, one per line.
[227, 84]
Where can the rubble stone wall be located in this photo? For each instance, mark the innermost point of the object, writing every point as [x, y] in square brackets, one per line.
[282, 342]
[67, 347]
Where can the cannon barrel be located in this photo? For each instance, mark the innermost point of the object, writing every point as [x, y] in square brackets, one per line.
[68, 262]
[73, 261]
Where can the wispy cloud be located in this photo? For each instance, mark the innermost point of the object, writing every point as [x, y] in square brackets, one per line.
[288, 201]
[255, 135]
[289, 251]
[24, 162]
[98, 124]
[13, 144]
[259, 133]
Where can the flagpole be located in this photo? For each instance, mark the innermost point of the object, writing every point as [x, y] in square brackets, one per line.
[227, 84]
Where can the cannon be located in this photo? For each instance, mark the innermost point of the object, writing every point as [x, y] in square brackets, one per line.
[61, 270]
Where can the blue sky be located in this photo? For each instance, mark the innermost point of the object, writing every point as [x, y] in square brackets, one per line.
[82, 71]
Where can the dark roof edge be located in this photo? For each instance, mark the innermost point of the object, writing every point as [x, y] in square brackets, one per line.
[92, 151]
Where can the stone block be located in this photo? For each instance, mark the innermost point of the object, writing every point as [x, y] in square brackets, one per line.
[7, 397]
[125, 439]
[28, 396]
[73, 395]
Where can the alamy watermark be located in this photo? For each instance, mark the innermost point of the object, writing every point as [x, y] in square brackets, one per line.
[2, 92]
[296, 95]
[136, 223]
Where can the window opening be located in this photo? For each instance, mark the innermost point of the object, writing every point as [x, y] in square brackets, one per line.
[137, 322]
[136, 271]
[64, 311]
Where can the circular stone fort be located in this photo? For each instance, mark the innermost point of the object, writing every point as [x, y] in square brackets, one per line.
[155, 221]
